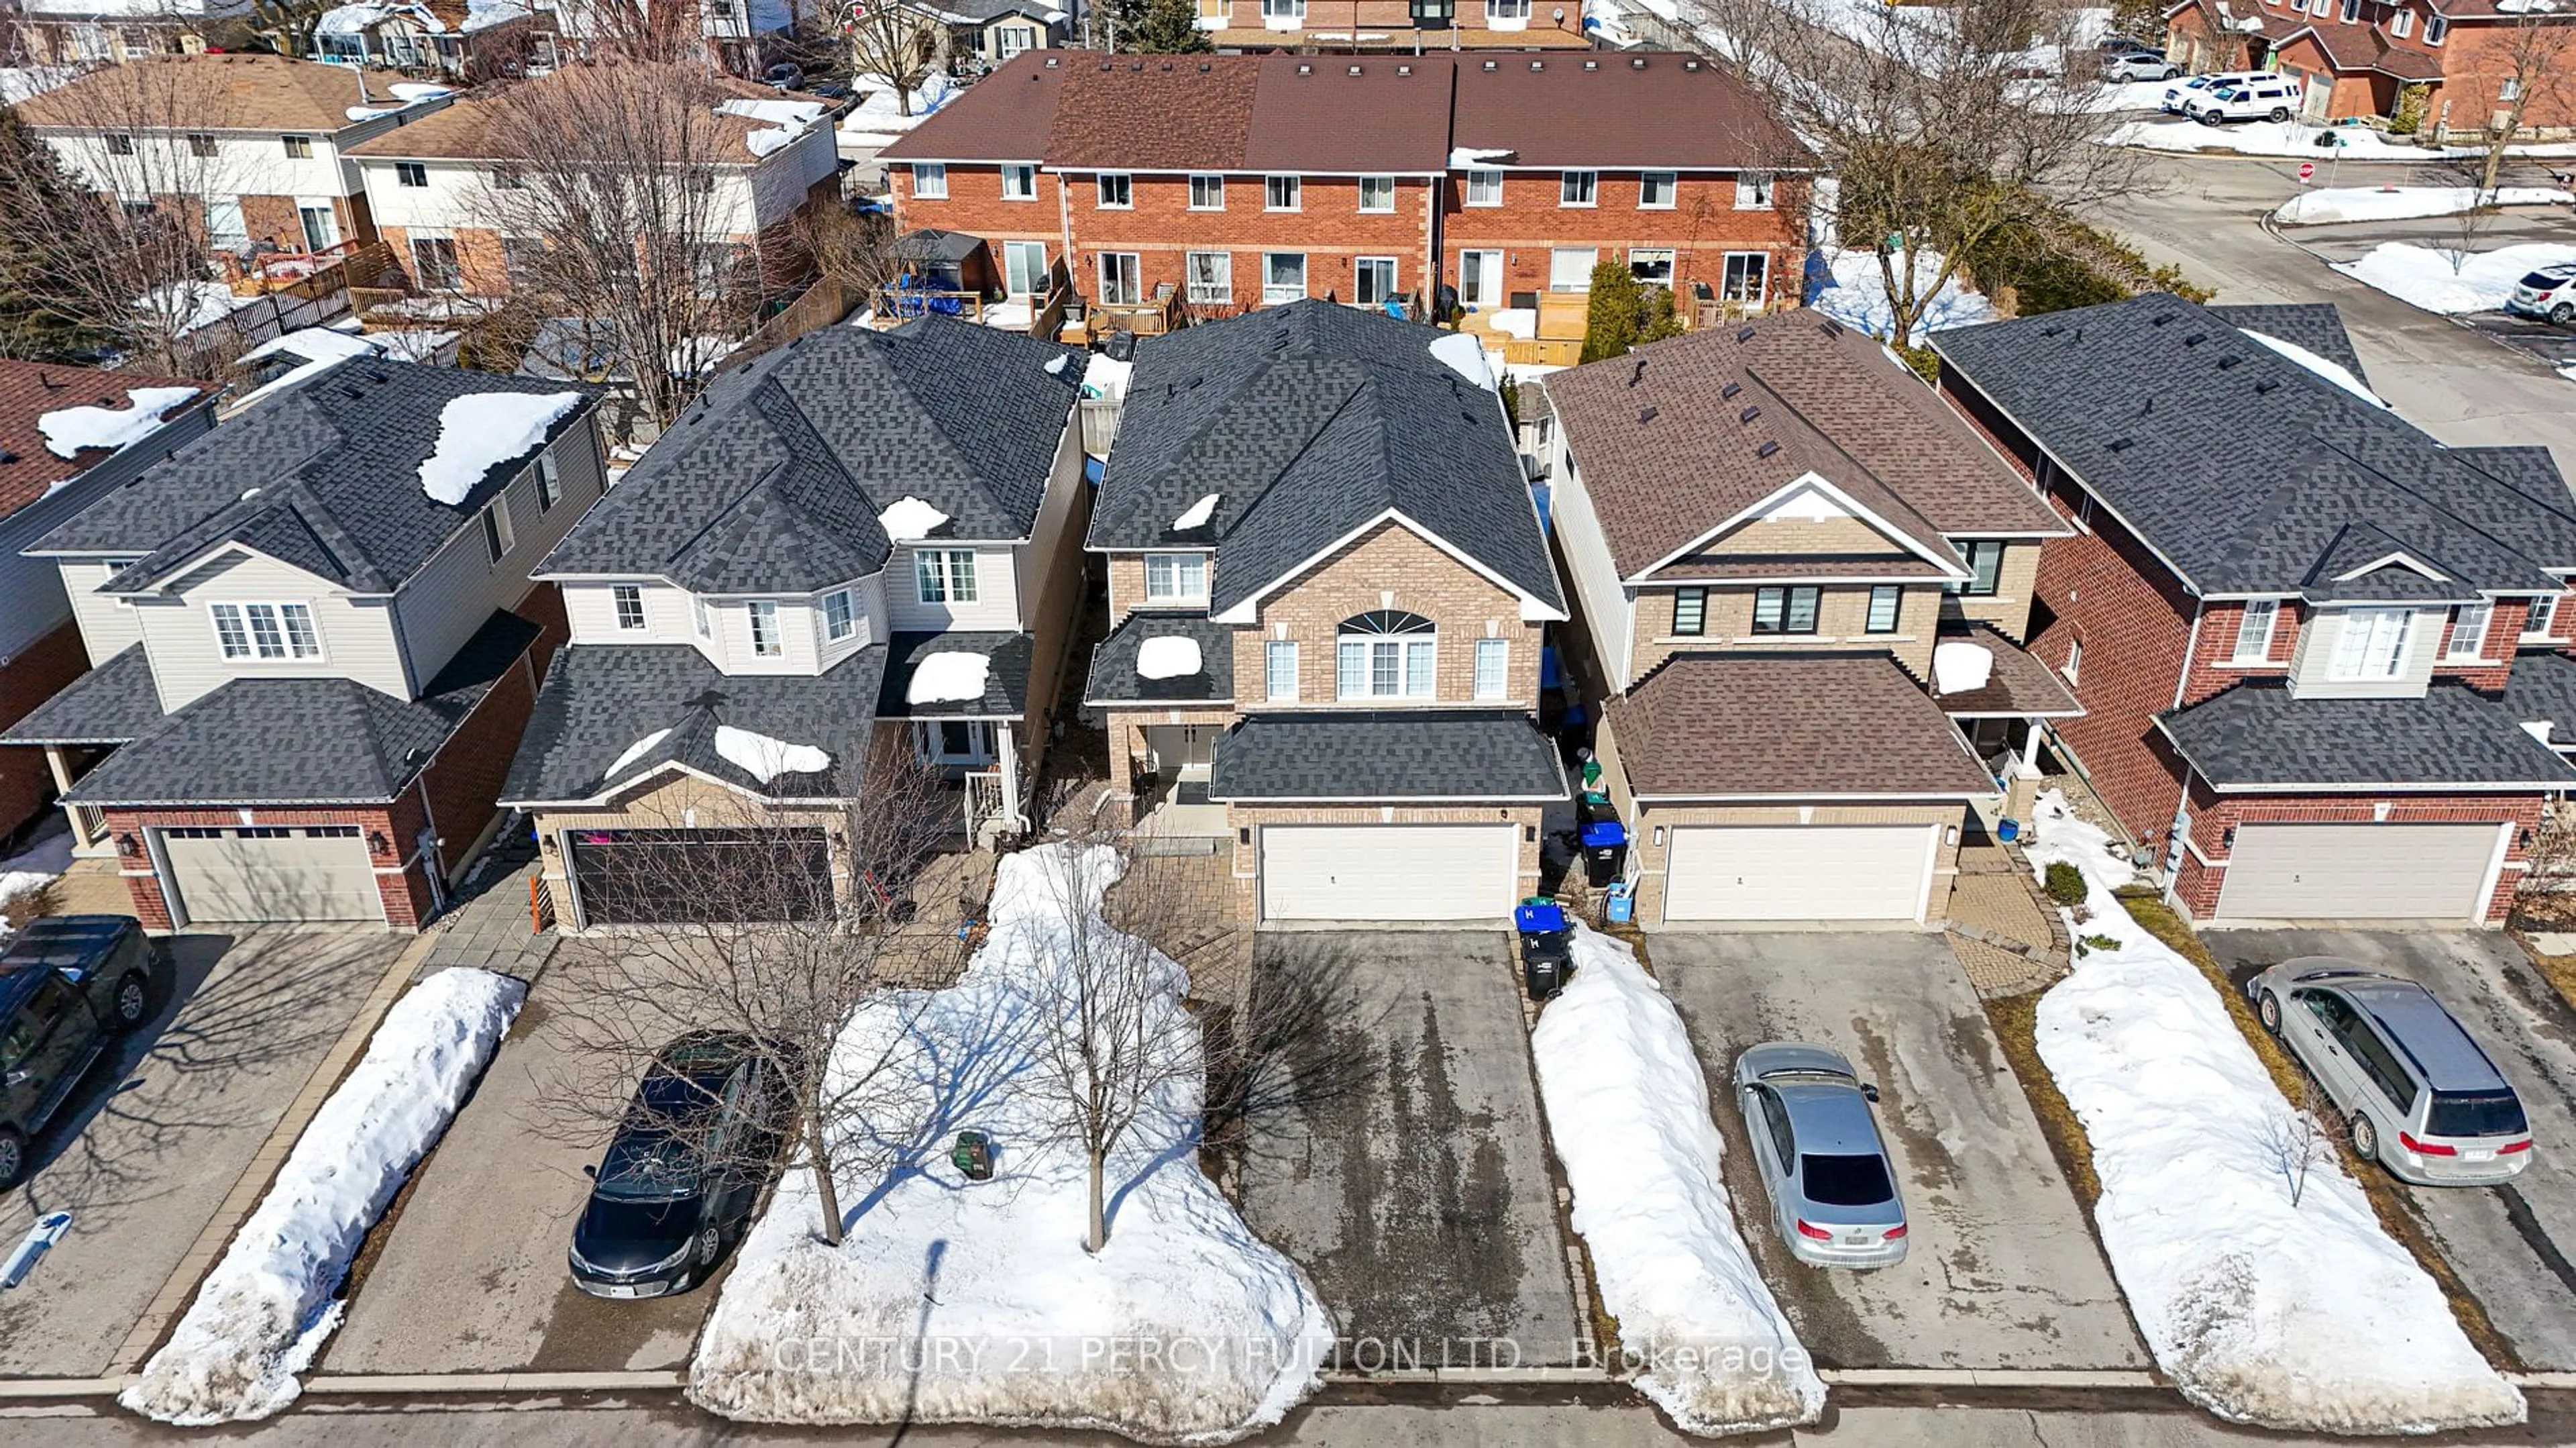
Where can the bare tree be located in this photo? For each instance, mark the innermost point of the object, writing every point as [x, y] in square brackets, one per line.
[621, 185]
[2535, 55]
[2297, 1142]
[1944, 124]
[779, 984]
[892, 40]
[660, 32]
[113, 198]
[2471, 222]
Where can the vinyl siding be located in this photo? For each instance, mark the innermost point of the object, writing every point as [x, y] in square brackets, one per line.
[357, 635]
[592, 611]
[1606, 605]
[35, 592]
[107, 626]
[2312, 666]
[450, 598]
[996, 606]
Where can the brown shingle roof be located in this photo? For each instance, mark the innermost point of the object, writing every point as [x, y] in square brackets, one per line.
[1788, 724]
[1831, 400]
[202, 92]
[2018, 684]
[479, 127]
[1613, 109]
[29, 390]
[1004, 117]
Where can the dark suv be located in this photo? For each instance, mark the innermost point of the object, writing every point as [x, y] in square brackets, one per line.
[69, 986]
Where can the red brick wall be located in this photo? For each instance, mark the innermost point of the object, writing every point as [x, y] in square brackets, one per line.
[406, 896]
[1701, 227]
[2213, 666]
[2478, 57]
[40, 671]
[464, 781]
[2197, 884]
[1328, 227]
[974, 205]
[480, 262]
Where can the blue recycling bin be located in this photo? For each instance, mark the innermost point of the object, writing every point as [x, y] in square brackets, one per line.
[1605, 848]
[1623, 902]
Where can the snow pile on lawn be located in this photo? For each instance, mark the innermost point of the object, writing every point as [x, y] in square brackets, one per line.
[764, 758]
[2297, 138]
[68, 430]
[2334, 372]
[2401, 203]
[2440, 279]
[1858, 297]
[1167, 657]
[908, 519]
[482, 430]
[949, 1301]
[264, 1310]
[948, 676]
[32, 869]
[2304, 1316]
[1630, 1108]
[1106, 376]
[190, 306]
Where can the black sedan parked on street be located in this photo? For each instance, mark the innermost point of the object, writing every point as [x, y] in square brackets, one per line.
[682, 1174]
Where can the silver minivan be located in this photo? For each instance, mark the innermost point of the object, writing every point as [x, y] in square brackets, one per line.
[2423, 1100]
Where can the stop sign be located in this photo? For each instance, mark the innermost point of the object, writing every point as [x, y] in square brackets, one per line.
[2307, 169]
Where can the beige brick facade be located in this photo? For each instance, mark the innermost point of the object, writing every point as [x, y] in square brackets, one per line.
[682, 802]
[1842, 626]
[1392, 567]
[1249, 820]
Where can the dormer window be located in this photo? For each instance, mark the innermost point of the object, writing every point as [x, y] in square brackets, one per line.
[1176, 577]
[2373, 644]
[2468, 633]
[766, 642]
[266, 631]
[1386, 654]
[840, 615]
[945, 575]
[2544, 612]
[2254, 631]
[629, 599]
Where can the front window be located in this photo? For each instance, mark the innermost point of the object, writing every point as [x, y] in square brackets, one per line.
[930, 180]
[1020, 182]
[1283, 193]
[549, 483]
[1207, 193]
[1753, 191]
[2373, 644]
[1886, 600]
[1283, 277]
[496, 531]
[1786, 610]
[1690, 612]
[1283, 14]
[629, 599]
[1373, 280]
[1985, 560]
[945, 575]
[1656, 191]
[1484, 188]
[2468, 631]
[1279, 659]
[1117, 190]
[1493, 671]
[1578, 188]
[266, 631]
[1387, 654]
[2254, 631]
[1015, 38]
[766, 643]
[1176, 577]
[1121, 283]
[1211, 277]
[840, 616]
[298, 148]
[1377, 193]
[410, 173]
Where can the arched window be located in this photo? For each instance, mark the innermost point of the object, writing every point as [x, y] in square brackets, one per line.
[1385, 654]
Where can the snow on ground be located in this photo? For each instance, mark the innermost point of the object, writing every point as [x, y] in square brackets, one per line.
[1620, 1081]
[951, 1301]
[1463, 354]
[1106, 376]
[68, 430]
[35, 867]
[1858, 297]
[948, 676]
[193, 305]
[2332, 371]
[908, 518]
[2297, 138]
[1167, 656]
[2302, 1317]
[2442, 279]
[2401, 203]
[1521, 322]
[482, 430]
[764, 758]
[265, 1309]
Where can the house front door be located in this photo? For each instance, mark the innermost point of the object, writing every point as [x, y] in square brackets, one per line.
[1181, 751]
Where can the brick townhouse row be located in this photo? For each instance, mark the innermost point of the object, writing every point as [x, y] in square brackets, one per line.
[1241, 181]
[2475, 60]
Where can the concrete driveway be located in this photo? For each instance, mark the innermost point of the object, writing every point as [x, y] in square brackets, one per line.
[156, 1136]
[1420, 1199]
[2003, 1271]
[473, 1277]
[2510, 1244]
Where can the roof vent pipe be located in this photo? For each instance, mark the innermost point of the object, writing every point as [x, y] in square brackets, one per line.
[1645, 415]
[1768, 447]
[1748, 414]
[1729, 390]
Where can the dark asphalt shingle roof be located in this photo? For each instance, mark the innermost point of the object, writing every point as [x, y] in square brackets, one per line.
[599, 702]
[1307, 421]
[2312, 326]
[1114, 680]
[325, 476]
[773, 480]
[304, 741]
[2256, 734]
[1385, 755]
[1006, 677]
[1789, 724]
[2247, 470]
[115, 703]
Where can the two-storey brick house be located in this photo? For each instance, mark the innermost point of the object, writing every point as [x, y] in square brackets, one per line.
[2357, 58]
[315, 642]
[1802, 585]
[860, 541]
[2322, 655]
[1367, 180]
[1334, 26]
[1328, 586]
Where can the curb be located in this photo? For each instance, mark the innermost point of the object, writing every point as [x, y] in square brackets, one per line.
[1357, 1377]
[527, 1382]
[1990, 1378]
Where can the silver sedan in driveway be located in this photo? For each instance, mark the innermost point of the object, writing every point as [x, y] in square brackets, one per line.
[1833, 1194]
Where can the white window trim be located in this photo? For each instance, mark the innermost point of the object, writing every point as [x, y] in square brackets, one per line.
[1367, 210]
[1394, 274]
[1296, 189]
[2483, 615]
[1477, 174]
[979, 741]
[1760, 195]
[947, 569]
[618, 594]
[2073, 668]
[1020, 168]
[760, 625]
[2359, 671]
[499, 539]
[250, 638]
[700, 619]
[925, 174]
[1273, 651]
[1305, 279]
[2261, 653]
[1190, 284]
[1592, 189]
[1100, 192]
[1500, 650]
[1404, 645]
[1100, 272]
[1672, 188]
[1197, 177]
[1180, 592]
[848, 628]
[2546, 608]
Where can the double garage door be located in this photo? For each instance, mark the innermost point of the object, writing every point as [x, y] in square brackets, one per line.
[2359, 872]
[252, 874]
[1389, 872]
[668, 877]
[1799, 872]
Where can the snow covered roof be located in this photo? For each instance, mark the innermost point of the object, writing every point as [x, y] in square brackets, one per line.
[33, 394]
[484, 431]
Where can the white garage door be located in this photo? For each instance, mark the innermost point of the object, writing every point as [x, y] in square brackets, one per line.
[273, 873]
[2357, 872]
[1798, 872]
[1389, 872]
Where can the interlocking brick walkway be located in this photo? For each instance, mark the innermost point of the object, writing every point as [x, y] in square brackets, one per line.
[2005, 938]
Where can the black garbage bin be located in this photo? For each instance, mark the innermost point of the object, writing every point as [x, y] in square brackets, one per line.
[1605, 849]
[1547, 946]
